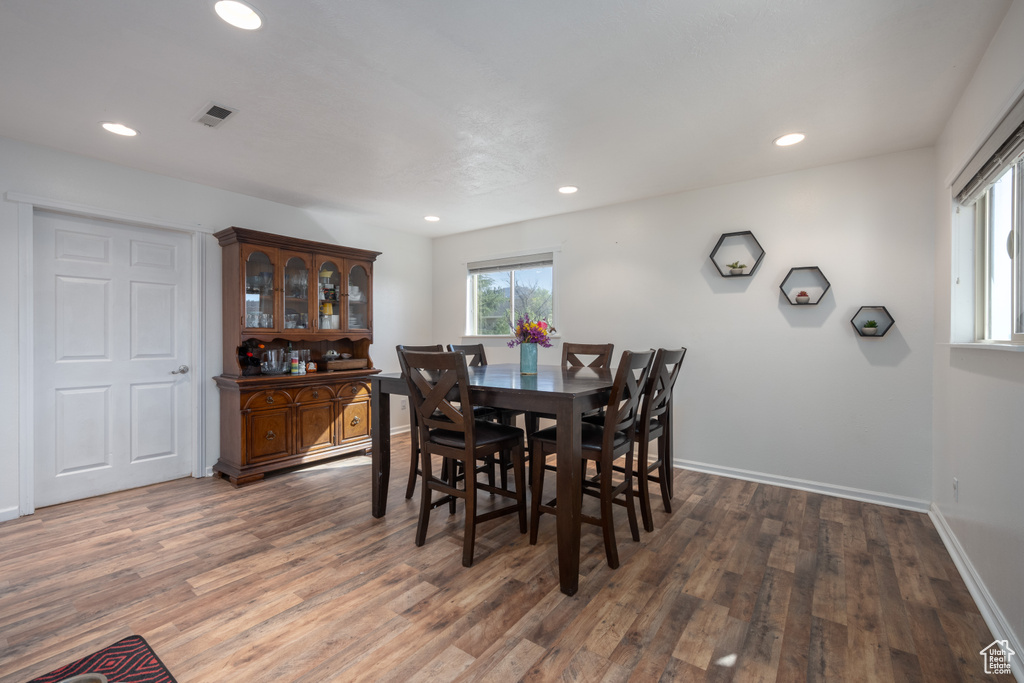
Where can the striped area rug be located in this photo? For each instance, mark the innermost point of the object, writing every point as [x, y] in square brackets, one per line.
[131, 660]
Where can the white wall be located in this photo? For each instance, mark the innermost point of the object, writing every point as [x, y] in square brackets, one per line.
[777, 392]
[979, 394]
[401, 274]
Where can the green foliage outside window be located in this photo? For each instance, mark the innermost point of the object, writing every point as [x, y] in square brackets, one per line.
[496, 310]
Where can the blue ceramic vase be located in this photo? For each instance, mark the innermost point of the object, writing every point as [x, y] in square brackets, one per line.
[528, 359]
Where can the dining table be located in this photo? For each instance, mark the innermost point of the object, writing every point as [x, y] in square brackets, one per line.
[565, 394]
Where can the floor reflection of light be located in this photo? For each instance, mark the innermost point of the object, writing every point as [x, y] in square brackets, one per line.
[727, 660]
[357, 461]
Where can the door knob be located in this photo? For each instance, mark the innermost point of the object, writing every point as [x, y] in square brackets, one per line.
[182, 369]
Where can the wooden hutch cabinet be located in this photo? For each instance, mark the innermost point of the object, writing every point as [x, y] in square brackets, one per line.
[284, 294]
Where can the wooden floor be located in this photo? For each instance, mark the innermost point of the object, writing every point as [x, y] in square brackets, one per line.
[291, 579]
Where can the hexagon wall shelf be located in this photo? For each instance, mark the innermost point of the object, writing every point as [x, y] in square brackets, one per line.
[879, 314]
[805, 278]
[737, 247]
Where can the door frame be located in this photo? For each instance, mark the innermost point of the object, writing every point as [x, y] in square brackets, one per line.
[27, 206]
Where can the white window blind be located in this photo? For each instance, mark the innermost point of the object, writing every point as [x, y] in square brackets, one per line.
[511, 263]
[1001, 149]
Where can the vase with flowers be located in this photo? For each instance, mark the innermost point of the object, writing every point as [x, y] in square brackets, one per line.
[528, 335]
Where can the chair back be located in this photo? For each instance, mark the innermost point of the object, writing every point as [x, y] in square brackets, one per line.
[571, 355]
[428, 347]
[438, 391]
[475, 356]
[623, 407]
[660, 382]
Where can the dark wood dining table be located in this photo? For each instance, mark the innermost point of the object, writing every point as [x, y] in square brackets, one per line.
[565, 394]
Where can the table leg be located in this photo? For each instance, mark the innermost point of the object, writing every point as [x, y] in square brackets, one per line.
[568, 490]
[380, 453]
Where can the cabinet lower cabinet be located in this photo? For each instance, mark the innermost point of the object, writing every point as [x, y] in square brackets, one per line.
[271, 423]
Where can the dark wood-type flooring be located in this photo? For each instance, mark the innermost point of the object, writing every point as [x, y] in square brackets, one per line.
[291, 579]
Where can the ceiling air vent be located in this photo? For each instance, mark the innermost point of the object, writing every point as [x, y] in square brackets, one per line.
[214, 115]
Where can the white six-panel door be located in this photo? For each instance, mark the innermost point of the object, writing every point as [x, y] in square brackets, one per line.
[112, 349]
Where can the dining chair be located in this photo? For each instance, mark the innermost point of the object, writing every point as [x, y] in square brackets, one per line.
[477, 357]
[414, 460]
[655, 423]
[571, 352]
[603, 444]
[448, 429]
[602, 355]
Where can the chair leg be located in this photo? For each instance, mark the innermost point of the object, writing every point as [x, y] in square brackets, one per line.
[492, 462]
[531, 422]
[536, 488]
[607, 522]
[504, 459]
[425, 501]
[643, 486]
[413, 463]
[520, 480]
[453, 480]
[509, 420]
[469, 540]
[634, 530]
[665, 473]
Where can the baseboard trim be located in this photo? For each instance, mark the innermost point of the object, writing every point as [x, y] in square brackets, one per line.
[812, 486]
[990, 612]
[7, 514]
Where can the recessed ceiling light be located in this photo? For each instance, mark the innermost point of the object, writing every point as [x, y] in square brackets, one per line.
[432, 219]
[119, 129]
[789, 139]
[239, 14]
[568, 189]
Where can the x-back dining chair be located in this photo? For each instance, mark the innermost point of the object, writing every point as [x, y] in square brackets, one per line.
[414, 459]
[448, 429]
[655, 423]
[601, 355]
[477, 357]
[595, 356]
[602, 444]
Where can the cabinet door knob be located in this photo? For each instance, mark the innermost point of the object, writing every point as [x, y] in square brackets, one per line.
[270, 399]
[316, 394]
[355, 390]
[355, 420]
[271, 436]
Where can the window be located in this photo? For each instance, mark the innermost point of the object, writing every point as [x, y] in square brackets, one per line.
[502, 290]
[998, 214]
[993, 181]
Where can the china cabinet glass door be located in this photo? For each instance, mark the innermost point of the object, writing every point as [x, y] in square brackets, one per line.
[329, 295]
[358, 298]
[259, 291]
[296, 292]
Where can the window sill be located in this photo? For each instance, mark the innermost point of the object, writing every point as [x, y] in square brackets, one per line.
[505, 337]
[989, 346]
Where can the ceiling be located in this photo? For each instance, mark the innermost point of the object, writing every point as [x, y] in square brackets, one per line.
[477, 111]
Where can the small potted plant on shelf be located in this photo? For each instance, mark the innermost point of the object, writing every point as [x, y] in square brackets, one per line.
[870, 328]
[802, 297]
[736, 268]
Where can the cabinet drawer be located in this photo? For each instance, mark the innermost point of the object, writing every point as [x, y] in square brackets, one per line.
[265, 400]
[355, 420]
[269, 435]
[350, 390]
[317, 394]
